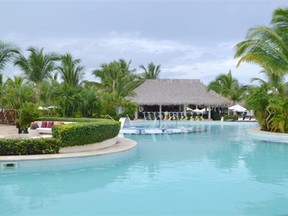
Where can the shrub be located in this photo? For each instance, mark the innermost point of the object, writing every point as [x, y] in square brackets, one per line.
[231, 117]
[29, 146]
[215, 116]
[27, 114]
[86, 133]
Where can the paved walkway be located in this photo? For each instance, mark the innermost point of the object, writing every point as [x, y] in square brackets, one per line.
[8, 130]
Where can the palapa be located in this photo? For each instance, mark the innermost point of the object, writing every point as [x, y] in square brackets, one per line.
[176, 92]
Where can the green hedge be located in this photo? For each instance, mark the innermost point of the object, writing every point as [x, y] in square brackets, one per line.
[29, 146]
[231, 117]
[86, 133]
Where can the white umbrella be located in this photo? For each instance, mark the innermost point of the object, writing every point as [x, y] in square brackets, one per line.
[237, 108]
[205, 110]
[197, 111]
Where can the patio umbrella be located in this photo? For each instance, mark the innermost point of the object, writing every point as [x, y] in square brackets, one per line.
[197, 111]
[237, 108]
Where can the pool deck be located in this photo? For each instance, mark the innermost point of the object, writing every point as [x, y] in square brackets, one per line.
[257, 134]
[122, 144]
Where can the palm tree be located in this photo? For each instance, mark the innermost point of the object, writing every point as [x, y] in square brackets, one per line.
[228, 87]
[152, 71]
[68, 100]
[267, 46]
[274, 82]
[16, 91]
[7, 51]
[70, 70]
[89, 103]
[37, 67]
[258, 100]
[117, 77]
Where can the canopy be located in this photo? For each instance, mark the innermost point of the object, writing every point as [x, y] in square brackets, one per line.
[237, 108]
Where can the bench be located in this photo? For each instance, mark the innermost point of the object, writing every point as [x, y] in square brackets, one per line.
[44, 127]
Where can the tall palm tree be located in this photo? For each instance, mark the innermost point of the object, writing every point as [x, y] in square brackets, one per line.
[70, 70]
[227, 86]
[152, 71]
[37, 67]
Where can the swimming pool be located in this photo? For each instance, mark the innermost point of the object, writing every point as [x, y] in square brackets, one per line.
[221, 171]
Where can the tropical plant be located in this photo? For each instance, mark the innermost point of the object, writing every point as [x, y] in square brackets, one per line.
[89, 103]
[112, 105]
[258, 100]
[278, 107]
[268, 47]
[15, 92]
[7, 51]
[28, 113]
[151, 72]
[68, 100]
[37, 67]
[227, 86]
[273, 81]
[49, 92]
[117, 77]
[70, 70]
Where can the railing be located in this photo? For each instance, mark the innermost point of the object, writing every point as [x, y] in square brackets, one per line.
[110, 117]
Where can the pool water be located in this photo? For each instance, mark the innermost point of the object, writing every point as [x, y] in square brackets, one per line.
[221, 171]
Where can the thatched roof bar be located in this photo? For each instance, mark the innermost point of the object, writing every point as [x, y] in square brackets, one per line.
[176, 92]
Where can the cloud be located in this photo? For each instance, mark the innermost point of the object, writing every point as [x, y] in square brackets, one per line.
[177, 59]
[207, 70]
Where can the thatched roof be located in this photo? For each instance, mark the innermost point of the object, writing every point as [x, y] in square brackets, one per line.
[176, 92]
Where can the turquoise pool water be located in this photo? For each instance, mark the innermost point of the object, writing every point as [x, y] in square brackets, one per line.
[221, 171]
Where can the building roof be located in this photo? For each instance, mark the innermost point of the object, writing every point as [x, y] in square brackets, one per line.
[176, 92]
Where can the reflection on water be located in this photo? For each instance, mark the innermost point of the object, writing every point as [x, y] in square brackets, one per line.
[222, 168]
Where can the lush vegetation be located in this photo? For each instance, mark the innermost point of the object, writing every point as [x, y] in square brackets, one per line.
[228, 87]
[29, 146]
[56, 81]
[268, 47]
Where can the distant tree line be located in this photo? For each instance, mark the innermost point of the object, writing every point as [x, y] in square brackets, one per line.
[52, 80]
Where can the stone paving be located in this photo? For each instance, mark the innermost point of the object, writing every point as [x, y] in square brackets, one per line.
[8, 130]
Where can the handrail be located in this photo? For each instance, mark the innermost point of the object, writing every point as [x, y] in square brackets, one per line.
[110, 117]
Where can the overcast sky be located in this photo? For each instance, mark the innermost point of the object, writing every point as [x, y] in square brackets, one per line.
[191, 39]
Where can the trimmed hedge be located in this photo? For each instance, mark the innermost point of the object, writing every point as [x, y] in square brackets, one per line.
[231, 117]
[29, 146]
[86, 133]
[83, 131]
